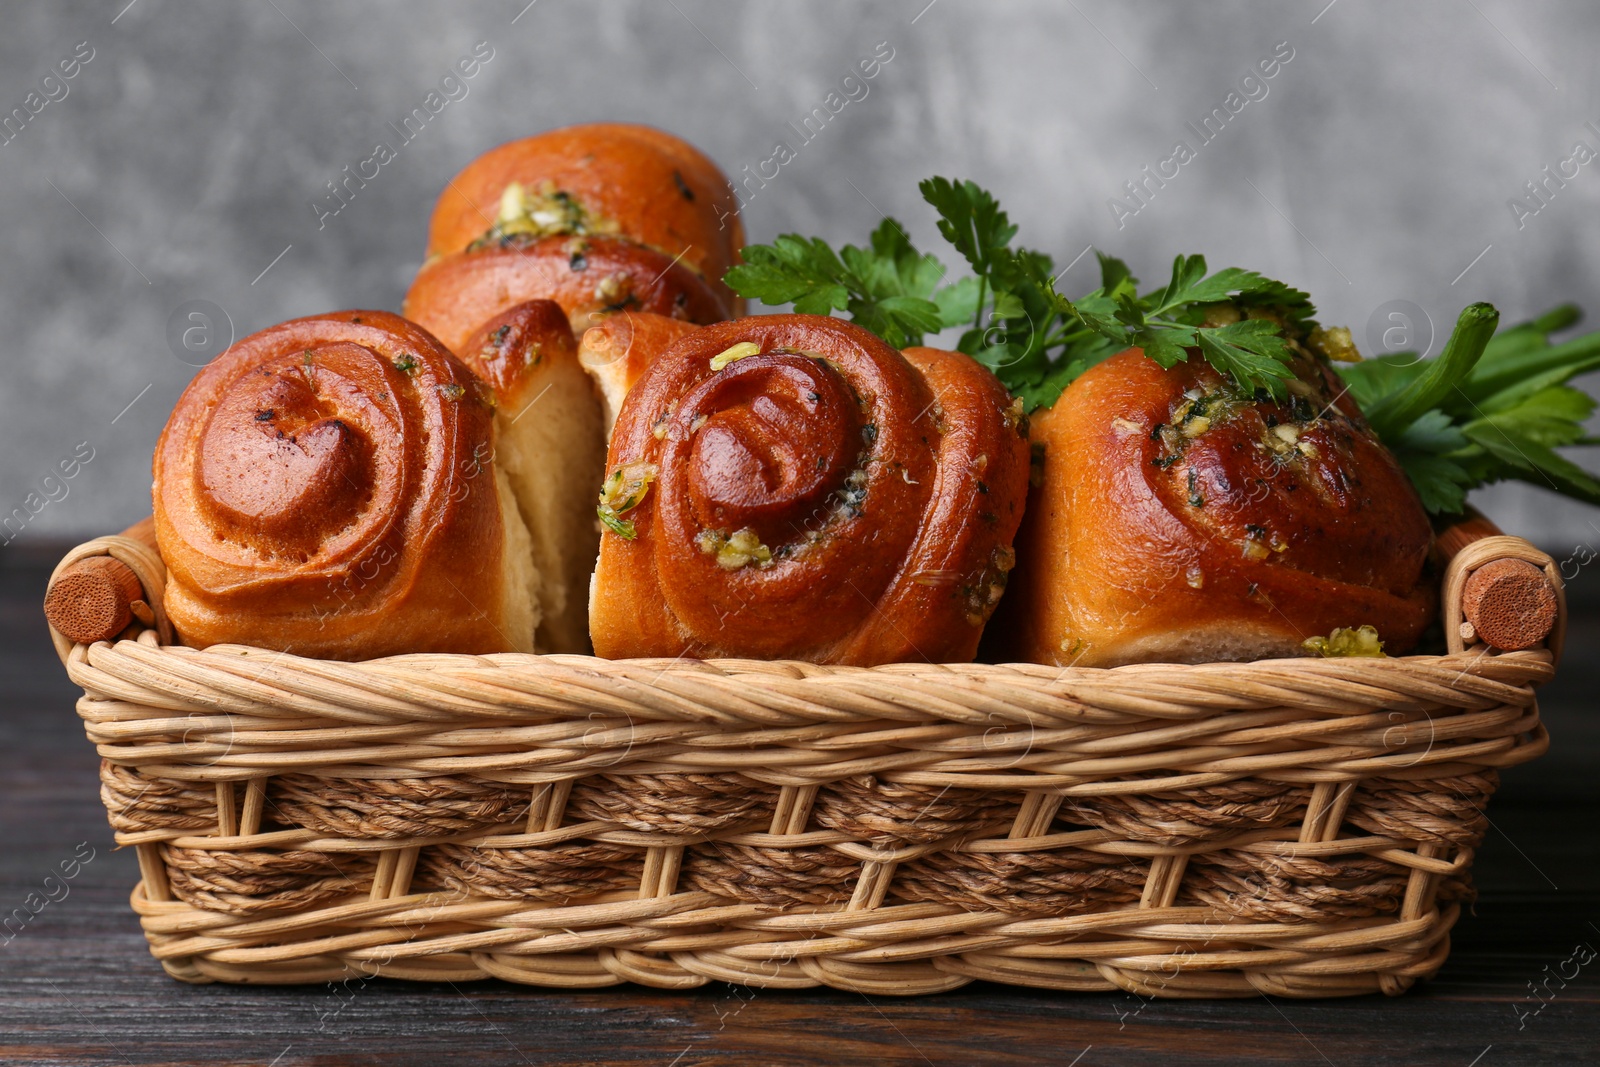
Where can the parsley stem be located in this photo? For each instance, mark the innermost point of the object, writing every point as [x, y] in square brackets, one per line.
[1394, 412]
[1577, 355]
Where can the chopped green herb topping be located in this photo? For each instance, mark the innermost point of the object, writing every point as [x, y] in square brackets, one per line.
[623, 491]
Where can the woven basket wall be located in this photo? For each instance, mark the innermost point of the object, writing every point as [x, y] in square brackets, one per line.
[1295, 827]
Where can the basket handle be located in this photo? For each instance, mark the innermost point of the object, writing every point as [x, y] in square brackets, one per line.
[102, 587]
[1499, 591]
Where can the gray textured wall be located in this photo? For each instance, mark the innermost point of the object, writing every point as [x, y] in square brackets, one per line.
[186, 155]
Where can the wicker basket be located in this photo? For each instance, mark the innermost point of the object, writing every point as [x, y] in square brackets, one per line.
[1294, 827]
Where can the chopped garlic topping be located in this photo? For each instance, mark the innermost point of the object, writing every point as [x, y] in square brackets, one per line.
[1346, 641]
[624, 489]
[543, 212]
[1224, 314]
[733, 353]
[613, 287]
[742, 547]
[511, 203]
[1336, 343]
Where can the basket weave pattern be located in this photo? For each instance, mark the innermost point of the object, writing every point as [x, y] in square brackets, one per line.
[1295, 827]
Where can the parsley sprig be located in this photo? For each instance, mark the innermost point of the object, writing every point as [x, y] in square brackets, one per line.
[1166, 323]
[886, 287]
[1490, 407]
[1016, 322]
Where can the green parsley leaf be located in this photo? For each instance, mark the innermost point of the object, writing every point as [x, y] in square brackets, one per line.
[958, 302]
[1167, 323]
[791, 269]
[1374, 377]
[1486, 409]
[884, 287]
[1252, 352]
[970, 219]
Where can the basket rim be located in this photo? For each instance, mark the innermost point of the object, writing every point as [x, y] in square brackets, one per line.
[151, 571]
[791, 669]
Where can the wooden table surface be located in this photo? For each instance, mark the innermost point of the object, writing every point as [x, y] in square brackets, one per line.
[77, 985]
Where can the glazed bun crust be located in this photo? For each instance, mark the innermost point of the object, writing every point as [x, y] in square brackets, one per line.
[326, 487]
[636, 181]
[1234, 530]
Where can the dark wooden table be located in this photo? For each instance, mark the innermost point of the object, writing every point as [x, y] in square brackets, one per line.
[77, 986]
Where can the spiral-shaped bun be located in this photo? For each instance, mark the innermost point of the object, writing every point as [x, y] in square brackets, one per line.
[789, 486]
[327, 487]
[1179, 519]
[601, 218]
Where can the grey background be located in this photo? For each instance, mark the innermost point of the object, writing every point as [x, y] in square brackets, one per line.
[189, 151]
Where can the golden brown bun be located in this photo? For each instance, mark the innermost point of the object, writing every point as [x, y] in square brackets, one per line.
[883, 489]
[590, 277]
[617, 351]
[327, 487]
[552, 448]
[1153, 538]
[634, 181]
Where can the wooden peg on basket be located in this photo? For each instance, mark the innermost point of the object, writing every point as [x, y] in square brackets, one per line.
[1507, 603]
[96, 599]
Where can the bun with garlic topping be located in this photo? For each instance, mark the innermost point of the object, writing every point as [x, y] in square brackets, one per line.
[790, 486]
[327, 487]
[552, 448]
[600, 218]
[1180, 517]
